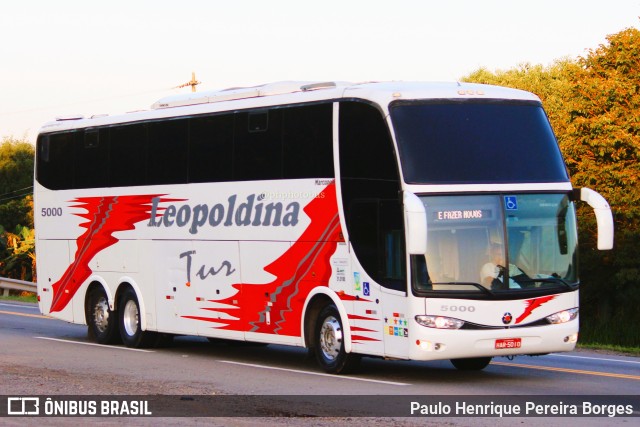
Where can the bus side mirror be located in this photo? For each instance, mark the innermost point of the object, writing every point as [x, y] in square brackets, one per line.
[604, 218]
[415, 218]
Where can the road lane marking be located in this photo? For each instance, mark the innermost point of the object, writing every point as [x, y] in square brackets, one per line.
[38, 316]
[34, 307]
[569, 371]
[319, 374]
[596, 358]
[95, 345]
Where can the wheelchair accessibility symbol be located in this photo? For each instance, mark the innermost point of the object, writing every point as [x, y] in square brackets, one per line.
[511, 203]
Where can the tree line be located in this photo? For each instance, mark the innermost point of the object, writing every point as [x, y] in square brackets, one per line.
[17, 235]
[592, 103]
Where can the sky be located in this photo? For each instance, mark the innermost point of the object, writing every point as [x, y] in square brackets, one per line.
[90, 57]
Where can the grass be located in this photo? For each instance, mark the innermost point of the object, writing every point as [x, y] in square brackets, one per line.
[626, 350]
[615, 335]
[23, 297]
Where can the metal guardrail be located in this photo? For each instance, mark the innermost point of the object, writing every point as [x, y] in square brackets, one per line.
[16, 285]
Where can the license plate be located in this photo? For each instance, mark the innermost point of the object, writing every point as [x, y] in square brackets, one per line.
[508, 343]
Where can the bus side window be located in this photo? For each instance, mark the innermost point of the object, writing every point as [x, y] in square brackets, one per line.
[370, 185]
[167, 152]
[92, 167]
[257, 145]
[307, 141]
[211, 148]
[128, 155]
[56, 166]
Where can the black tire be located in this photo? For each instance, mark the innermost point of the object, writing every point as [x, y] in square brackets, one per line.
[471, 364]
[329, 343]
[129, 321]
[102, 323]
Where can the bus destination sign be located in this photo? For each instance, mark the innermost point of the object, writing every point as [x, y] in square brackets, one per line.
[464, 214]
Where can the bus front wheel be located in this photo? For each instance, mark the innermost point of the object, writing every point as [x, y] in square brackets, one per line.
[130, 328]
[471, 364]
[329, 343]
[102, 322]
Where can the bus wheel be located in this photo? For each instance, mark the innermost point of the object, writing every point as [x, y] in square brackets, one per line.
[471, 364]
[102, 322]
[130, 330]
[329, 343]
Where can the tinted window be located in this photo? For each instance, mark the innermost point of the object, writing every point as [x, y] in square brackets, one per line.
[307, 141]
[167, 152]
[370, 193]
[211, 149]
[275, 143]
[366, 149]
[92, 167]
[127, 155]
[56, 160]
[258, 145]
[476, 142]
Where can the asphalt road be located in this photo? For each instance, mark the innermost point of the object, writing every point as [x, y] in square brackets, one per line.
[42, 356]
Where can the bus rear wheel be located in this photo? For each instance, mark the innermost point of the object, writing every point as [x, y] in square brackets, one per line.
[329, 343]
[130, 328]
[102, 323]
[471, 364]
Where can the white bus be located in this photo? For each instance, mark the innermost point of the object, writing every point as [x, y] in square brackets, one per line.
[351, 219]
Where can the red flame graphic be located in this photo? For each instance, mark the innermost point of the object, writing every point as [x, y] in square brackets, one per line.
[105, 216]
[276, 307]
[532, 304]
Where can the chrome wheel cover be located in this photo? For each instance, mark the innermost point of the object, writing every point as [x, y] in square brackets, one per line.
[131, 318]
[330, 338]
[101, 314]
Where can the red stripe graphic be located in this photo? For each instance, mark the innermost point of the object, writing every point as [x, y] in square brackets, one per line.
[105, 216]
[358, 317]
[356, 338]
[347, 297]
[532, 304]
[304, 266]
[359, 329]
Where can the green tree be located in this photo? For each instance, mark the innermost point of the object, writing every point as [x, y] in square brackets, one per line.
[14, 212]
[16, 167]
[19, 259]
[17, 254]
[604, 153]
[604, 123]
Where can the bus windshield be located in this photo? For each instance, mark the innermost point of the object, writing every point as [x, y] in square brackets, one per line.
[498, 244]
[465, 142]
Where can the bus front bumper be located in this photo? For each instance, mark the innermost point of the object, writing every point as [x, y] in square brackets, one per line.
[437, 344]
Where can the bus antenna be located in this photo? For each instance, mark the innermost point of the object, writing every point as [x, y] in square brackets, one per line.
[193, 83]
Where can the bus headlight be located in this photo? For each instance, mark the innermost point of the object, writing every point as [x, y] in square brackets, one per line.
[563, 316]
[439, 322]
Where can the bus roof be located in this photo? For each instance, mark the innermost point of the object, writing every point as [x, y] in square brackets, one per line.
[290, 92]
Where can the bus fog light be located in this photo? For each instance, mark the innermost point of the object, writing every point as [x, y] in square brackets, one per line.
[563, 316]
[429, 346]
[439, 322]
[573, 338]
[425, 345]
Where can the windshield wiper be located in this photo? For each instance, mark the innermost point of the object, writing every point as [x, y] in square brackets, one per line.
[552, 279]
[476, 285]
